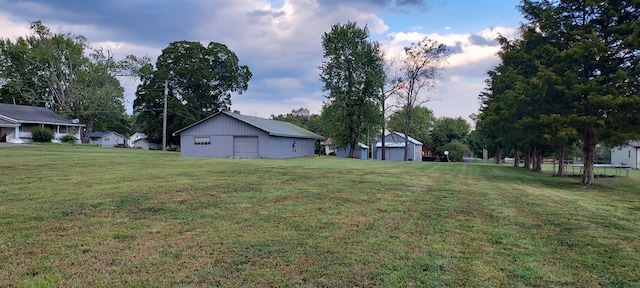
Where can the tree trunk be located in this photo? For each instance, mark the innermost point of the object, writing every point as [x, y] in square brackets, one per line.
[85, 133]
[527, 158]
[353, 153]
[407, 125]
[561, 161]
[537, 163]
[497, 156]
[589, 140]
[384, 153]
[516, 157]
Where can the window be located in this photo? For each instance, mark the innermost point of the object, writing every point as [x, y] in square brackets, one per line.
[202, 140]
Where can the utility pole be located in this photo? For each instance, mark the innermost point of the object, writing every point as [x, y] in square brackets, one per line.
[164, 117]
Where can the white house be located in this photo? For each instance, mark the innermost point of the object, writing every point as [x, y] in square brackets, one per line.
[108, 139]
[143, 143]
[139, 140]
[135, 137]
[627, 155]
[17, 122]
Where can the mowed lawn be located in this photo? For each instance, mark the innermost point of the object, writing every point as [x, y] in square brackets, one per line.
[86, 216]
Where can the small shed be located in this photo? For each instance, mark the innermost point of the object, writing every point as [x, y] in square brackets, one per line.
[627, 155]
[394, 146]
[227, 134]
[363, 151]
[108, 139]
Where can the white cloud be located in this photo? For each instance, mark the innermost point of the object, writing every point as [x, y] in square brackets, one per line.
[11, 28]
[279, 40]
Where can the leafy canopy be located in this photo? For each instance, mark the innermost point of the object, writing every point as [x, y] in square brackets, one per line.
[200, 81]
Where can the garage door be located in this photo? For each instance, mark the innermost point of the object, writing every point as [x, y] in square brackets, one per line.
[245, 147]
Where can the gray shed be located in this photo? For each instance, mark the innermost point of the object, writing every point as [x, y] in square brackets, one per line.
[363, 151]
[394, 145]
[226, 134]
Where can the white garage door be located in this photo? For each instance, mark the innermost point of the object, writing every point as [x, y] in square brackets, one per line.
[245, 147]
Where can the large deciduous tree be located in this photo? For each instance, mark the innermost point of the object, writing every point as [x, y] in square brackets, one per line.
[422, 123]
[353, 76]
[446, 130]
[199, 81]
[53, 70]
[419, 69]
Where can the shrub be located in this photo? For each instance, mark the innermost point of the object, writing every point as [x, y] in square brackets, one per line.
[69, 138]
[42, 134]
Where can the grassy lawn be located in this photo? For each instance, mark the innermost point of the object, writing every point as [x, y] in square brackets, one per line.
[86, 216]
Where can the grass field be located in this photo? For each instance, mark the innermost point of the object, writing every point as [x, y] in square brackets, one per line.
[86, 216]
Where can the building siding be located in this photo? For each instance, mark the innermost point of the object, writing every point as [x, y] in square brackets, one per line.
[397, 153]
[223, 125]
[626, 155]
[282, 147]
[108, 140]
[344, 152]
[222, 129]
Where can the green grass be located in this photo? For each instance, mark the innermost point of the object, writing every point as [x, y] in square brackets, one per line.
[86, 216]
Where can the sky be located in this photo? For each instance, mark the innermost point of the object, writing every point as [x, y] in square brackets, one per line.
[280, 40]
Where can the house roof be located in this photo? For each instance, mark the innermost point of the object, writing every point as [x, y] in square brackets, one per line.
[273, 127]
[398, 140]
[31, 114]
[634, 143]
[100, 134]
[6, 123]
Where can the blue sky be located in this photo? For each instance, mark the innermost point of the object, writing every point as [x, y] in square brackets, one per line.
[280, 40]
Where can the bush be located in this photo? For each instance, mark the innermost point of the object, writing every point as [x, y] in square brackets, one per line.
[456, 150]
[69, 138]
[42, 134]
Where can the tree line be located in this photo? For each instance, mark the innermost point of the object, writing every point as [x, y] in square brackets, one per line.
[571, 78]
[62, 72]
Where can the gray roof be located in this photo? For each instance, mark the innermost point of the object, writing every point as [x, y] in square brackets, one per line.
[273, 127]
[100, 134]
[30, 114]
[6, 123]
[635, 143]
[398, 141]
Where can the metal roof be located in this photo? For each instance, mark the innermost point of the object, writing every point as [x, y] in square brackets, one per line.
[398, 140]
[635, 143]
[100, 134]
[273, 127]
[31, 114]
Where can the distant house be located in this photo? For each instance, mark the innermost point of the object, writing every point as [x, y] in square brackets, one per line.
[17, 122]
[363, 151]
[144, 144]
[107, 139]
[139, 140]
[627, 155]
[329, 147]
[136, 136]
[226, 134]
[394, 146]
